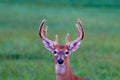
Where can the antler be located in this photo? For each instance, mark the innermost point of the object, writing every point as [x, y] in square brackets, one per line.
[80, 33]
[43, 33]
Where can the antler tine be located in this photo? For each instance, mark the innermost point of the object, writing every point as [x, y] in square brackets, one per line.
[56, 39]
[78, 30]
[41, 28]
[82, 30]
[67, 38]
[45, 31]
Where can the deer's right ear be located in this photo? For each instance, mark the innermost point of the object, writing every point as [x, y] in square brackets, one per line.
[48, 45]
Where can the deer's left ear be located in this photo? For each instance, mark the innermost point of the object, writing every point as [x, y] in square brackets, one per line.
[74, 45]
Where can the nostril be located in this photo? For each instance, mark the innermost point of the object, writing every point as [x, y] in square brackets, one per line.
[60, 61]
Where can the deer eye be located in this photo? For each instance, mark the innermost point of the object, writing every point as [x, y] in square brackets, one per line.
[67, 52]
[55, 52]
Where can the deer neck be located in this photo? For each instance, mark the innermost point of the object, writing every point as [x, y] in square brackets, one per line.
[63, 72]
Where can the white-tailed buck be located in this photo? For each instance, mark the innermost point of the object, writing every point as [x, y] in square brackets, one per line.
[61, 52]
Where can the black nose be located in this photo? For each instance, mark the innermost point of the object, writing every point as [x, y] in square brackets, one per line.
[60, 61]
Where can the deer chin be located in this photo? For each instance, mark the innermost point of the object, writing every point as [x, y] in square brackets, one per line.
[60, 68]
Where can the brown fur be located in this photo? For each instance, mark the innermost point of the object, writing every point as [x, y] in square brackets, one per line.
[67, 75]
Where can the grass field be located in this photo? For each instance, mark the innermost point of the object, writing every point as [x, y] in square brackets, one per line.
[23, 57]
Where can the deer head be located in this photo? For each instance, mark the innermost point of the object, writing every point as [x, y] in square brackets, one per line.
[61, 52]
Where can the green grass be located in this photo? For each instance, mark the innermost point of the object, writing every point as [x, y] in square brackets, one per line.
[23, 56]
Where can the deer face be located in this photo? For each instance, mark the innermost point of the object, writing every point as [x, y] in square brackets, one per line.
[61, 52]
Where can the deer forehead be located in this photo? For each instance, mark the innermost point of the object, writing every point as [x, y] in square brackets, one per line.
[61, 48]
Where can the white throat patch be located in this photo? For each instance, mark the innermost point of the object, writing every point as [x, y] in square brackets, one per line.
[60, 68]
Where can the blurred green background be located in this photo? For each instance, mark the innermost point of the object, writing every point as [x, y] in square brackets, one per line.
[23, 56]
